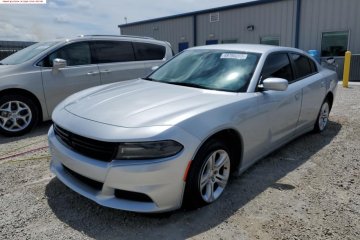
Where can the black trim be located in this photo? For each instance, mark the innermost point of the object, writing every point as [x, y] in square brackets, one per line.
[85, 180]
[195, 30]
[234, 6]
[103, 151]
[132, 196]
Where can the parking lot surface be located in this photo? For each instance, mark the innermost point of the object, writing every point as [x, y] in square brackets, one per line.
[309, 189]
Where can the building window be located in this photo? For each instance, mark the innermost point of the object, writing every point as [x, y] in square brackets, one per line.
[270, 40]
[334, 43]
[229, 41]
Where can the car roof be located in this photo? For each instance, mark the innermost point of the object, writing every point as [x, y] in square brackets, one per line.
[256, 48]
[111, 37]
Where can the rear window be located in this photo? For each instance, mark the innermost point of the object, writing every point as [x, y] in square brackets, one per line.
[303, 65]
[113, 51]
[148, 51]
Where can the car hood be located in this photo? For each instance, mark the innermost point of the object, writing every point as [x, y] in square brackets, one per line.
[141, 103]
[6, 68]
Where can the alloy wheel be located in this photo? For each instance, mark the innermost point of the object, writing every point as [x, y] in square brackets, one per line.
[214, 176]
[324, 116]
[15, 116]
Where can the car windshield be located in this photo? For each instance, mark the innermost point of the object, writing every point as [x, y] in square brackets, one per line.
[27, 53]
[209, 69]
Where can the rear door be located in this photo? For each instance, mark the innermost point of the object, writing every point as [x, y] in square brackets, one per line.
[79, 74]
[116, 61]
[279, 110]
[313, 88]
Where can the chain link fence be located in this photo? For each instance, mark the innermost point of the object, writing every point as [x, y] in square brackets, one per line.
[9, 47]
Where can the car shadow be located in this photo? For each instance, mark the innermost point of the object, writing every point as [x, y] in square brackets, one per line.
[40, 129]
[103, 223]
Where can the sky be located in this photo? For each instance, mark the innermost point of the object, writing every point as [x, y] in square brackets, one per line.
[68, 18]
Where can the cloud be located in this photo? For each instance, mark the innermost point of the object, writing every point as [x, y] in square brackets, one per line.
[15, 32]
[70, 4]
[67, 18]
[62, 18]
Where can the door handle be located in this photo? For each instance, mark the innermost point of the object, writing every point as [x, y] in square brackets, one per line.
[92, 73]
[297, 96]
[105, 71]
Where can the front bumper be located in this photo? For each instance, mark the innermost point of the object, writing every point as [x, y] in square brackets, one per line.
[160, 180]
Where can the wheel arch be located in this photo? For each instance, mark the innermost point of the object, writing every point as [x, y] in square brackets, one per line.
[28, 94]
[233, 139]
[330, 96]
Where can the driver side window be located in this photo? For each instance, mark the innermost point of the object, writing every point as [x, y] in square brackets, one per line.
[75, 54]
[278, 66]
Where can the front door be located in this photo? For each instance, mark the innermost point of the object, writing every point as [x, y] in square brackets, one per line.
[280, 110]
[79, 73]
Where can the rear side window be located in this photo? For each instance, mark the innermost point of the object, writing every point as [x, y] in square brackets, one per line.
[303, 66]
[113, 51]
[75, 54]
[148, 51]
[278, 66]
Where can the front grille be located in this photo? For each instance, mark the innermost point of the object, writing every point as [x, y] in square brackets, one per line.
[91, 183]
[104, 151]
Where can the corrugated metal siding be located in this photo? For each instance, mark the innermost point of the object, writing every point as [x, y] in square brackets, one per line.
[172, 30]
[318, 16]
[355, 68]
[269, 19]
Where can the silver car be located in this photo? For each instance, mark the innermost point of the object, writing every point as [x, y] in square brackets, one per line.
[174, 138]
[34, 80]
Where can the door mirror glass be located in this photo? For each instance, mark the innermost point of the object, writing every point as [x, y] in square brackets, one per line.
[275, 84]
[59, 63]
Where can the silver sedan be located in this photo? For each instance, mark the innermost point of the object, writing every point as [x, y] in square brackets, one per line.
[174, 138]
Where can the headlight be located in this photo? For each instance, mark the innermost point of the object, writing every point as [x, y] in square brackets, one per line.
[148, 150]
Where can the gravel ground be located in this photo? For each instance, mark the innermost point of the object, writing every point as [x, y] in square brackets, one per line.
[308, 189]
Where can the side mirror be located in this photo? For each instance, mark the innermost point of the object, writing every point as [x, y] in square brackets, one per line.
[275, 84]
[154, 68]
[330, 60]
[59, 63]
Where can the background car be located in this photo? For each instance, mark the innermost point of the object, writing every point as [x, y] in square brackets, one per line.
[173, 138]
[34, 80]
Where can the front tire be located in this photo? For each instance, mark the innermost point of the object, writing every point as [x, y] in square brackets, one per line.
[323, 117]
[18, 115]
[208, 175]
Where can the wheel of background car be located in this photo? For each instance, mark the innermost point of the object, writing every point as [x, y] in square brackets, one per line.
[208, 175]
[18, 115]
[323, 117]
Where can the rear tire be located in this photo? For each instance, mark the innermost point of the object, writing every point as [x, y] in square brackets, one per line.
[323, 117]
[208, 176]
[18, 115]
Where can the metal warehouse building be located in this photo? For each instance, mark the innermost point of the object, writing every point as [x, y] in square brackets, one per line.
[329, 26]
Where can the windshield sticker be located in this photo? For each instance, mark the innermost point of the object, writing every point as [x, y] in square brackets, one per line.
[234, 56]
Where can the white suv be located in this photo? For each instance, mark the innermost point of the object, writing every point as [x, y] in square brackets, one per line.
[34, 80]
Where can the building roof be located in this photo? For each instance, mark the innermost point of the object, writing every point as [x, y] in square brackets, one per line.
[210, 10]
[256, 48]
